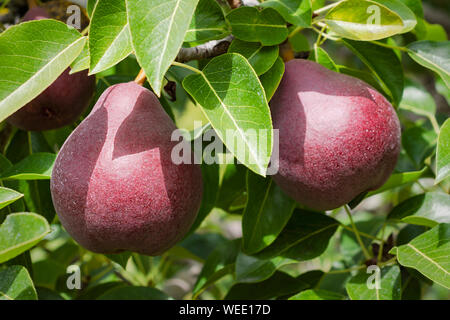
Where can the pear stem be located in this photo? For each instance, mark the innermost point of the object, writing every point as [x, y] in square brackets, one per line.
[356, 232]
[186, 66]
[32, 4]
[141, 77]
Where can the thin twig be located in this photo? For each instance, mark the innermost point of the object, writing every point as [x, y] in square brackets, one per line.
[356, 232]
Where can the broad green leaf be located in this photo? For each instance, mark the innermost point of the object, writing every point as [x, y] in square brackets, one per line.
[433, 32]
[19, 232]
[158, 28]
[418, 143]
[16, 284]
[367, 77]
[389, 286]
[232, 185]
[428, 253]
[90, 7]
[8, 196]
[296, 12]
[272, 78]
[399, 179]
[299, 42]
[433, 55]
[92, 293]
[317, 294]
[370, 20]
[265, 26]
[82, 61]
[416, 7]
[322, 57]
[443, 153]
[384, 64]
[253, 269]
[280, 284]
[208, 23]
[443, 89]
[32, 56]
[233, 100]
[305, 237]
[210, 175]
[427, 209]
[219, 263]
[133, 293]
[267, 211]
[260, 57]
[417, 99]
[36, 166]
[109, 35]
[120, 258]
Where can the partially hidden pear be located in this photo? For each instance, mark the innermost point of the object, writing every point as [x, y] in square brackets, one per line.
[62, 103]
[339, 137]
[114, 184]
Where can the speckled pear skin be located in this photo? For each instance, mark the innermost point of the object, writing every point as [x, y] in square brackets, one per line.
[62, 103]
[114, 185]
[339, 137]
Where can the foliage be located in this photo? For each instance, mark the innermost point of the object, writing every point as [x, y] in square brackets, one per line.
[250, 240]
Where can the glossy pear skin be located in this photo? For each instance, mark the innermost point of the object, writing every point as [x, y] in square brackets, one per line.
[114, 185]
[339, 137]
[62, 103]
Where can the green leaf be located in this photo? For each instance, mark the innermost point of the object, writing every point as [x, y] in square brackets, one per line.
[427, 209]
[158, 28]
[265, 26]
[32, 56]
[16, 284]
[428, 253]
[433, 55]
[232, 186]
[299, 42]
[296, 12]
[109, 35]
[37, 166]
[260, 57]
[384, 64]
[219, 263]
[8, 196]
[133, 293]
[208, 23]
[251, 269]
[317, 294]
[305, 236]
[280, 284]
[210, 174]
[367, 77]
[120, 258]
[19, 232]
[443, 153]
[370, 20]
[389, 286]
[322, 57]
[419, 143]
[90, 7]
[399, 179]
[82, 61]
[233, 100]
[267, 211]
[417, 99]
[272, 78]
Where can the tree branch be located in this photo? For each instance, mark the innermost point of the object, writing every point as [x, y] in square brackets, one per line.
[207, 50]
